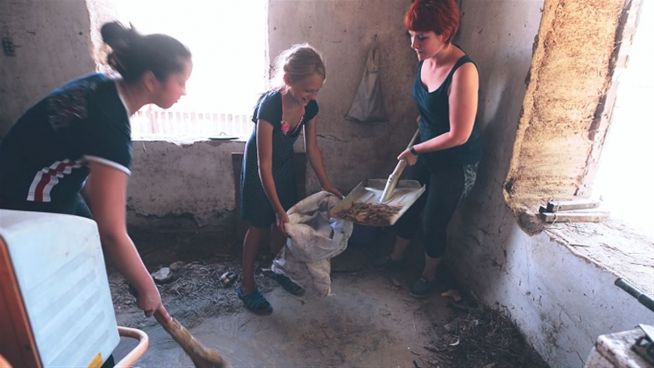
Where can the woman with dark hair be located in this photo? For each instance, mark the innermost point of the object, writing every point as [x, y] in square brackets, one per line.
[448, 149]
[74, 147]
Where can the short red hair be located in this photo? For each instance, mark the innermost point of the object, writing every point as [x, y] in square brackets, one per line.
[440, 16]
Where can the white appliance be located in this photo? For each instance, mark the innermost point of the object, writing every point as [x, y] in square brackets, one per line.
[54, 278]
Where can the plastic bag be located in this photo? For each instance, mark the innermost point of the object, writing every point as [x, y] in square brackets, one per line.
[314, 238]
[368, 103]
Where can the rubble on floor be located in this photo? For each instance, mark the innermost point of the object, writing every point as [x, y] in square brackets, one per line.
[476, 336]
[195, 291]
[467, 336]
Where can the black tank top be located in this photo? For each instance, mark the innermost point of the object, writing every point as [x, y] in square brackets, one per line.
[435, 120]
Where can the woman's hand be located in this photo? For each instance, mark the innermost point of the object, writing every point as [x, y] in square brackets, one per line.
[408, 156]
[333, 190]
[282, 219]
[162, 313]
[149, 299]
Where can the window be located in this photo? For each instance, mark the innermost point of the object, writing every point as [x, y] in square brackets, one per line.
[228, 42]
[567, 107]
[569, 104]
[625, 178]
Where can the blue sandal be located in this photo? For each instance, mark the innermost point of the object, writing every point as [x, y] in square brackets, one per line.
[288, 284]
[254, 302]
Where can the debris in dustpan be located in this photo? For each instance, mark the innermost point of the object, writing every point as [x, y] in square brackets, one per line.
[375, 214]
[362, 205]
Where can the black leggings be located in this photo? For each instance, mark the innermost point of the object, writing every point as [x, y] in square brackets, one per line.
[444, 188]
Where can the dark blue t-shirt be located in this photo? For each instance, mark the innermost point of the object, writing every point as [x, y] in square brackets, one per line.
[434, 110]
[269, 108]
[255, 206]
[43, 158]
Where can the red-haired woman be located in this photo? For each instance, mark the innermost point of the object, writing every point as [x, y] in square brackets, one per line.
[448, 149]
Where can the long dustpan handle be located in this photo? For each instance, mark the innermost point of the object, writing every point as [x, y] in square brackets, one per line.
[397, 172]
[399, 168]
[413, 139]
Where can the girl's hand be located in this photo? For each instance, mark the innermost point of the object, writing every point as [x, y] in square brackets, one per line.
[282, 219]
[408, 156]
[149, 299]
[333, 190]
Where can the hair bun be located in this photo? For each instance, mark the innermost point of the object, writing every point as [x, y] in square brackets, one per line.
[132, 54]
[114, 34]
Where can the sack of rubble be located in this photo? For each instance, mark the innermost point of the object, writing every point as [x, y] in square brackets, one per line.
[313, 240]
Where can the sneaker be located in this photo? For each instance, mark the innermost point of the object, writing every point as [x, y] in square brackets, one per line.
[387, 263]
[421, 288]
[288, 284]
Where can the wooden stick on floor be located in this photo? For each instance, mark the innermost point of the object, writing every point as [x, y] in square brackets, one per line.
[201, 356]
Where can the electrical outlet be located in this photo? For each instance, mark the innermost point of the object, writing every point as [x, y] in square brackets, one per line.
[8, 47]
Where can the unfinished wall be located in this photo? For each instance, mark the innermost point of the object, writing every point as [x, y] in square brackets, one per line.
[352, 151]
[198, 184]
[52, 45]
[162, 171]
[343, 30]
[177, 186]
[560, 301]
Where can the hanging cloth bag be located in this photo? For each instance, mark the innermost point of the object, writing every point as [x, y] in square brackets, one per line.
[368, 103]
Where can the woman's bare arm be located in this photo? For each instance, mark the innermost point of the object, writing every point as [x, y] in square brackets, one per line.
[105, 191]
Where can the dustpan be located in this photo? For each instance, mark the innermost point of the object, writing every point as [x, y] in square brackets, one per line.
[380, 202]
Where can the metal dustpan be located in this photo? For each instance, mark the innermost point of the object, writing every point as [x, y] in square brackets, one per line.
[380, 202]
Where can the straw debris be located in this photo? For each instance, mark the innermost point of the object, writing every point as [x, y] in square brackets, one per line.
[374, 214]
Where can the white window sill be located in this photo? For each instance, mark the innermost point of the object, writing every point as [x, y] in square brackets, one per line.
[612, 246]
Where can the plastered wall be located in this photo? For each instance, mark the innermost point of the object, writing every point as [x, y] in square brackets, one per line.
[163, 171]
[560, 301]
[344, 30]
[352, 151]
[52, 45]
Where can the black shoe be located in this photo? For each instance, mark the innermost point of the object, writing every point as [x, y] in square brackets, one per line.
[422, 288]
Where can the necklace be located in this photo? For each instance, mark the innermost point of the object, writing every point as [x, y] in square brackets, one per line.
[286, 126]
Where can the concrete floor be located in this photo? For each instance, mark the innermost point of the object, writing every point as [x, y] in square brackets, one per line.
[369, 321]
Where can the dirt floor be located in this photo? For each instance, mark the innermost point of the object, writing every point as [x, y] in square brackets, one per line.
[369, 321]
